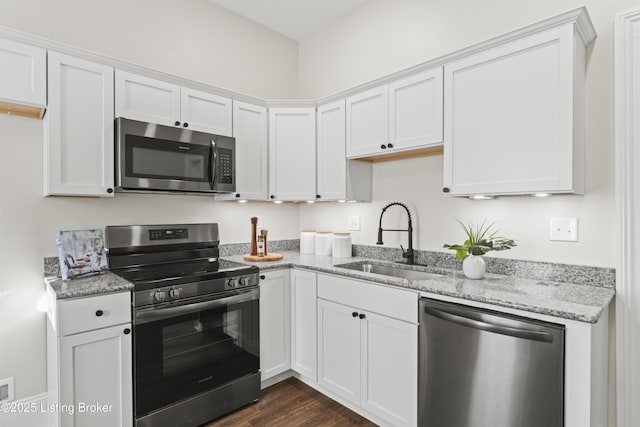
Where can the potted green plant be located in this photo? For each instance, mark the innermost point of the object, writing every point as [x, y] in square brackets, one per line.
[480, 240]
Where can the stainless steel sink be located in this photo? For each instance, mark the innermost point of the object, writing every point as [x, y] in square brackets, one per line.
[392, 270]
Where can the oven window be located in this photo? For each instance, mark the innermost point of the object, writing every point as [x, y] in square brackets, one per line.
[160, 159]
[182, 356]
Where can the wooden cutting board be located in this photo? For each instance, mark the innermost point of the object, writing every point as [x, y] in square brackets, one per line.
[269, 257]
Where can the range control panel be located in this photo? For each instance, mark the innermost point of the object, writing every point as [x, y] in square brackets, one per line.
[169, 234]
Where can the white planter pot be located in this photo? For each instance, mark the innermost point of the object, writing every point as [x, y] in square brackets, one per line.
[474, 267]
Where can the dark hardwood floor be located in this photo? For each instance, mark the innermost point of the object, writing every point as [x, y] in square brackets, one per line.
[292, 403]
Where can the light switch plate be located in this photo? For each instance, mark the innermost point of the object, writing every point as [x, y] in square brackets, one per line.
[6, 390]
[563, 229]
[354, 223]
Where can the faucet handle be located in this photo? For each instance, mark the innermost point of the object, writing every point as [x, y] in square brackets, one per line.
[404, 253]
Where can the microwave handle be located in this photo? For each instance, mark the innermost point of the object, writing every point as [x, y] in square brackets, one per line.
[213, 164]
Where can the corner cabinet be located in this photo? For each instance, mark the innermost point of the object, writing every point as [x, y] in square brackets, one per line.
[368, 347]
[89, 361]
[150, 100]
[514, 115]
[292, 154]
[275, 322]
[79, 128]
[338, 178]
[250, 128]
[403, 115]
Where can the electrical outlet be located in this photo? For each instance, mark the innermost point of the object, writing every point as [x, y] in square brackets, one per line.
[6, 390]
[563, 229]
[354, 223]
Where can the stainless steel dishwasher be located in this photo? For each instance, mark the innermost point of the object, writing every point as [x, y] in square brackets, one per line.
[480, 368]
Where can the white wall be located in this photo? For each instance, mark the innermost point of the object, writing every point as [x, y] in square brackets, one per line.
[386, 36]
[193, 39]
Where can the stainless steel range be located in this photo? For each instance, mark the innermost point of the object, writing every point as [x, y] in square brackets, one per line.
[195, 322]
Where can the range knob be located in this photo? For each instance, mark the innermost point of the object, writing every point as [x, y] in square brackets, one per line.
[242, 281]
[174, 293]
[159, 296]
[232, 283]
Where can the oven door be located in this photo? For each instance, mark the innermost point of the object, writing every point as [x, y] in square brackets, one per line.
[181, 351]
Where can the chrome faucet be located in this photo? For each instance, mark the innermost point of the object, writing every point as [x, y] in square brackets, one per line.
[408, 254]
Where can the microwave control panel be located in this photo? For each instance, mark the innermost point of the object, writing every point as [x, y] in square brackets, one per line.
[225, 166]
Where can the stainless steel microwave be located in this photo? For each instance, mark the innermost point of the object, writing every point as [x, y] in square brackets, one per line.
[156, 158]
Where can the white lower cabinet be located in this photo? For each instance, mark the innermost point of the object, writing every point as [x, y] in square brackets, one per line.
[303, 323]
[339, 350]
[275, 321]
[89, 368]
[366, 357]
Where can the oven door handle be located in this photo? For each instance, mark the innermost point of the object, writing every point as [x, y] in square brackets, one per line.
[150, 315]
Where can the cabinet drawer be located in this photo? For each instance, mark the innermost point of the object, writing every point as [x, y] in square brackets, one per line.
[86, 314]
[396, 303]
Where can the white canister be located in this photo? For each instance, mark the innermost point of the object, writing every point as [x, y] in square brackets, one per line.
[323, 242]
[341, 245]
[307, 242]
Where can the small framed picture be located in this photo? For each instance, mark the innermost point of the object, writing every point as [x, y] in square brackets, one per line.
[81, 253]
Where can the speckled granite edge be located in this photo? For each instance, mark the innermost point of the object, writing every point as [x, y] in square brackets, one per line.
[230, 249]
[536, 270]
[564, 300]
[104, 283]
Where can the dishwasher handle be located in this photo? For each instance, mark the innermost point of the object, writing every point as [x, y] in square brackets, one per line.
[489, 327]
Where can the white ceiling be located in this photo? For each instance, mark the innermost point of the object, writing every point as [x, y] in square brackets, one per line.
[295, 19]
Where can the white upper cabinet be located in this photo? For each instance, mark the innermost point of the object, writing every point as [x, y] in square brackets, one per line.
[23, 73]
[147, 100]
[514, 117]
[150, 100]
[415, 110]
[206, 112]
[368, 122]
[403, 115]
[79, 131]
[337, 177]
[292, 154]
[250, 128]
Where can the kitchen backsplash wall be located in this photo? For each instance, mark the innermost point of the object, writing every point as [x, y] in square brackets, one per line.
[401, 34]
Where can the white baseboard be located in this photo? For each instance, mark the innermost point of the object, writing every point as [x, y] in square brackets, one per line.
[24, 412]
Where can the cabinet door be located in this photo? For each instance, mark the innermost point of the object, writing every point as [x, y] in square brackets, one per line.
[95, 367]
[390, 369]
[78, 155]
[332, 173]
[147, 100]
[303, 323]
[368, 122]
[415, 110]
[275, 352]
[509, 117]
[292, 153]
[339, 350]
[250, 130]
[23, 73]
[205, 112]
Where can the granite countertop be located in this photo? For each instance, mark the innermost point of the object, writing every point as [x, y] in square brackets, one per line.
[93, 285]
[105, 283]
[583, 303]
